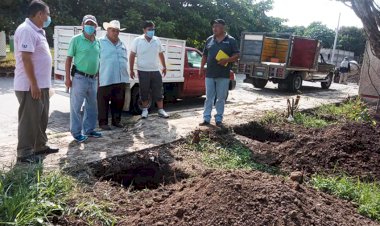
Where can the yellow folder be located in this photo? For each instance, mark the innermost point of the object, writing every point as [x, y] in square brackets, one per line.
[221, 55]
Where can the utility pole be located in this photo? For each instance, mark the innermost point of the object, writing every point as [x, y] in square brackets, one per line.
[335, 40]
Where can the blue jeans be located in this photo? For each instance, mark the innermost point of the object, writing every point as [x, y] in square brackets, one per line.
[215, 87]
[83, 90]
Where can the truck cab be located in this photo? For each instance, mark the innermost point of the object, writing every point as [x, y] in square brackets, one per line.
[284, 59]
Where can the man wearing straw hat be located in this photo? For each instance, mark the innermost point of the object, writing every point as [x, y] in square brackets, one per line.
[113, 76]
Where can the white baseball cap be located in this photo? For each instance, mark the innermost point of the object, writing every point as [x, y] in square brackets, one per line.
[89, 18]
[113, 24]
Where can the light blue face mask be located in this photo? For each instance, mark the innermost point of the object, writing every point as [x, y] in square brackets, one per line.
[89, 29]
[150, 34]
[47, 22]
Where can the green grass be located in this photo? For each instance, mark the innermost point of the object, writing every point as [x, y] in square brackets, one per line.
[365, 194]
[352, 110]
[28, 196]
[272, 117]
[235, 156]
[309, 121]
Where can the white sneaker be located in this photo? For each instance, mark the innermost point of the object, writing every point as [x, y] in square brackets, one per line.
[162, 113]
[144, 113]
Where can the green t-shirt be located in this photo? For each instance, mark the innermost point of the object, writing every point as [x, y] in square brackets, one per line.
[85, 53]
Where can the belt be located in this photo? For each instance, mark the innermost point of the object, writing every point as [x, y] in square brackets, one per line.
[86, 75]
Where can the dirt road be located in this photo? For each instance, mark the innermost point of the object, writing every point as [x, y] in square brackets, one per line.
[244, 104]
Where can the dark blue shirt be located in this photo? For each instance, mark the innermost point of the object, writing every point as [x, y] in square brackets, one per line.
[212, 47]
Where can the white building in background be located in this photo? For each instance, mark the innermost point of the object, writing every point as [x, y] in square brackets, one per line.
[338, 56]
[369, 86]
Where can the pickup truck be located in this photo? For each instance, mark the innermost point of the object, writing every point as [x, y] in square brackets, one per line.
[284, 59]
[183, 63]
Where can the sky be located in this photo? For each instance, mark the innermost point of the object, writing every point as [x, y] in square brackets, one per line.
[303, 12]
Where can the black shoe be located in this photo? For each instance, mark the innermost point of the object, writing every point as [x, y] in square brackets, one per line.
[31, 159]
[105, 127]
[204, 123]
[47, 151]
[219, 124]
[118, 125]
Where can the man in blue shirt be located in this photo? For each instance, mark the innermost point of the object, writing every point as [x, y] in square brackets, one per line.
[218, 71]
[113, 76]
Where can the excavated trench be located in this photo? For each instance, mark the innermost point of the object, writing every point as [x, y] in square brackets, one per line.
[257, 131]
[148, 169]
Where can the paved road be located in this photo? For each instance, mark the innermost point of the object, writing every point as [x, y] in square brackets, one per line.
[244, 103]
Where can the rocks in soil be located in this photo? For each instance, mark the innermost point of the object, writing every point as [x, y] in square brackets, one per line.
[297, 176]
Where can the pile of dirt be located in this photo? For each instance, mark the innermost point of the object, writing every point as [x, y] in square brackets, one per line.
[231, 198]
[352, 148]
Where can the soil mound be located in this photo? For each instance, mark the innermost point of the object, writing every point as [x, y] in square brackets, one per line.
[352, 148]
[240, 198]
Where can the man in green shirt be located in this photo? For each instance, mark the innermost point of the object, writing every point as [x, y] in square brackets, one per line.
[85, 49]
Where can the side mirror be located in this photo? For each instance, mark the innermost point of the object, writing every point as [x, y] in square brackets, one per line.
[191, 64]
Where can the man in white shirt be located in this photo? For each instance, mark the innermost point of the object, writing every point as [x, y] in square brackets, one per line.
[32, 83]
[149, 51]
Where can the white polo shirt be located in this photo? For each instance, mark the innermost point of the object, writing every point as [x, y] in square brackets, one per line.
[29, 38]
[147, 53]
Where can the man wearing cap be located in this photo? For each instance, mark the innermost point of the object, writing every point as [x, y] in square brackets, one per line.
[113, 75]
[85, 49]
[32, 82]
[218, 70]
[149, 51]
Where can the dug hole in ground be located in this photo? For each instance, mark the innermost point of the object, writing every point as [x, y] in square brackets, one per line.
[240, 175]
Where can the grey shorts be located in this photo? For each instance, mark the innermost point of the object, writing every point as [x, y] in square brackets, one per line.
[150, 85]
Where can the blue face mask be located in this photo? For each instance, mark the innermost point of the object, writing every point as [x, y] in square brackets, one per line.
[89, 29]
[150, 34]
[47, 22]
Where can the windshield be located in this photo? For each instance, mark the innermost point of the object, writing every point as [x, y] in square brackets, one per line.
[194, 59]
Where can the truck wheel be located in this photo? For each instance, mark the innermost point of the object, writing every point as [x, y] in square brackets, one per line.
[326, 85]
[136, 103]
[259, 83]
[294, 82]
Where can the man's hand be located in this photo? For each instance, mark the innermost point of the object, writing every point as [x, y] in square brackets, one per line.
[223, 62]
[132, 74]
[36, 91]
[164, 72]
[68, 83]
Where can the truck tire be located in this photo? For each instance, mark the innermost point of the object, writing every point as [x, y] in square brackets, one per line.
[294, 82]
[326, 85]
[136, 104]
[259, 83]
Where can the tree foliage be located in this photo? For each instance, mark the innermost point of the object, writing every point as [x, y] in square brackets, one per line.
[369, 13]
[319, 31]
[352, 39]
[183, 19]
